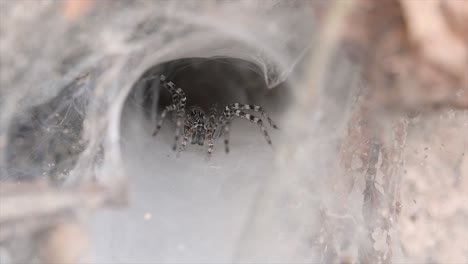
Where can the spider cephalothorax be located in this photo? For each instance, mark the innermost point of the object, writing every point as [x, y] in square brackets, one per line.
[200, 127]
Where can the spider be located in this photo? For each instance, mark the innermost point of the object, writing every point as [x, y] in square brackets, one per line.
[200, 127]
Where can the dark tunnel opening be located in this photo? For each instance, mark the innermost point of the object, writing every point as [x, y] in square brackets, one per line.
[207, 82]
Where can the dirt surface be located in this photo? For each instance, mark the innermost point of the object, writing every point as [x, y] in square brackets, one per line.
[434, 189]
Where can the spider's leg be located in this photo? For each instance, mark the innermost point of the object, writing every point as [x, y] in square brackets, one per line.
[194, 139]
[213, 119]
[179, 121]
[203, 128]
[210, 132]
[187, 134]
[224, 123]
[255, 120]
[210, 143]
[212, 127]
[254, 108]
[166, 110]
[226, 136]
[178, 95]
[201, 137]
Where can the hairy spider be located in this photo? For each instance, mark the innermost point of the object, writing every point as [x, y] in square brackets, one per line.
[200, 127]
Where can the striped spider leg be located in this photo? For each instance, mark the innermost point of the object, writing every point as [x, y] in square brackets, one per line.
[212, 128]
[236, 110]
[178, 106]
[226, 136]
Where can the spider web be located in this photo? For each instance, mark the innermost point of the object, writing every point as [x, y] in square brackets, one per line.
[63, 115]
[72, 111]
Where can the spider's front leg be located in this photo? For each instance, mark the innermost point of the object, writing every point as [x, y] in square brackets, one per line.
[188, 131]
[211, 134]
[224, 125]
[179, 122]
[210, 143]
[166, 110]
[178, 95]
[226, 136]
[212, 128]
